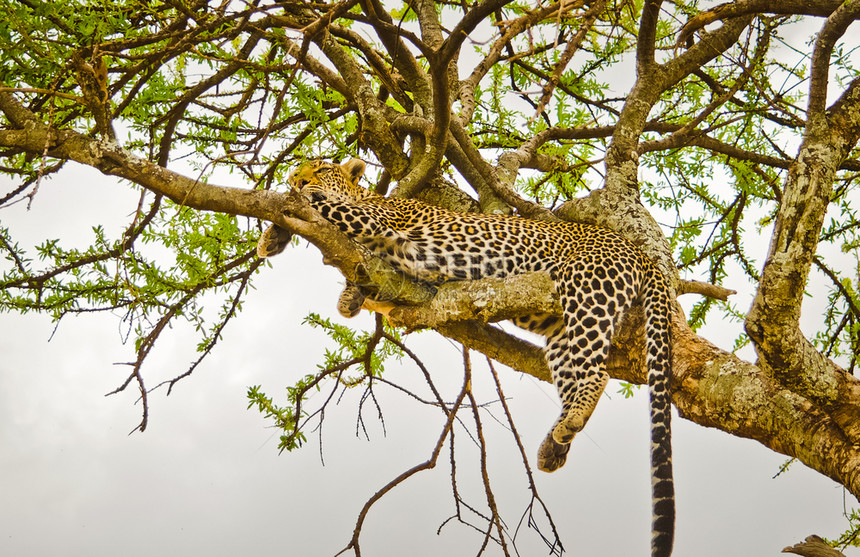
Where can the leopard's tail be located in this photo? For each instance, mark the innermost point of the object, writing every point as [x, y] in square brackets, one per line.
[658, 357]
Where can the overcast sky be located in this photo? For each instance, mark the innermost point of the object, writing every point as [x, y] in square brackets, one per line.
[206, 476]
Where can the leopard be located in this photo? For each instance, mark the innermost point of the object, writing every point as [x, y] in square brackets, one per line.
[598, 276]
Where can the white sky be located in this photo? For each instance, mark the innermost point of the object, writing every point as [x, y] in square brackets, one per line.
[205, 478]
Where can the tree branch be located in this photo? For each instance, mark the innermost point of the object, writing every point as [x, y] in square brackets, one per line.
[426, 465]
[740, 8]
[834, 27]
[813, 546]
[705, 289]
[773, 322]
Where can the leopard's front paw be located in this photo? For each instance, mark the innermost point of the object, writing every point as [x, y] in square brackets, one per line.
[350, 301]
[273, 241]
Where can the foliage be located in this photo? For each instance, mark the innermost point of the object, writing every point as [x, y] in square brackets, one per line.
[851, 537]
[366, 350]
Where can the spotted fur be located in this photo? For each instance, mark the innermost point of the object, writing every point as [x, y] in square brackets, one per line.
[597, 273]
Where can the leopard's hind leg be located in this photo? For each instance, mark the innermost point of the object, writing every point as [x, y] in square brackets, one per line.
[579, 372]
[544, 324]
[576, 355]
[580, 376]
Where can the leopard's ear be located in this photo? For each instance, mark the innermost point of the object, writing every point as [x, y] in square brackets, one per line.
[354, 168]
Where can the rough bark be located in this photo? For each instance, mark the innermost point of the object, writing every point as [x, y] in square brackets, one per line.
[773, 322]
[813, 546]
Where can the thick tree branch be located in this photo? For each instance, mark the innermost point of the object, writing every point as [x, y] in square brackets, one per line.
[402, 59]
[813, 546]
[709, 290]
[716, 389]
[618, 202]
[647, 37]
[832, 30]
[773, 322]
[736, 9]
[487, 300]
[492, 179]
[385, 145]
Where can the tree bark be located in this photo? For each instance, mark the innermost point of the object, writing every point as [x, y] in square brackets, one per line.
[773, 322]
[813, 546]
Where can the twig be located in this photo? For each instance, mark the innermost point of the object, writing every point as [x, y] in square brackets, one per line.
[426, 465]
[555, 546]
[491, 499]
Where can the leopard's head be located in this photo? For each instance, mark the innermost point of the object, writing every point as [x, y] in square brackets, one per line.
[330, 179]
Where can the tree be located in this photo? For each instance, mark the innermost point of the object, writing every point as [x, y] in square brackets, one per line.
[727, 130]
